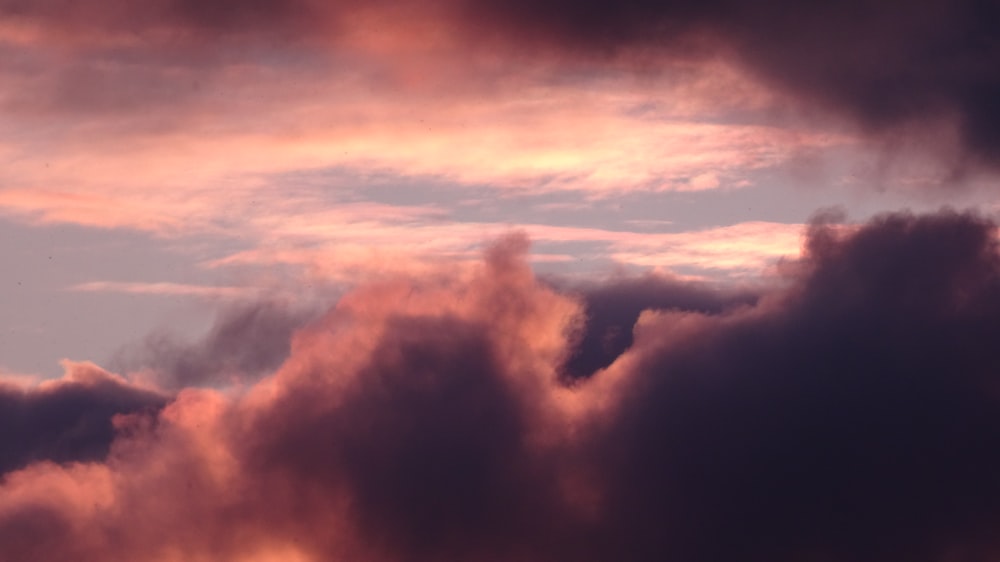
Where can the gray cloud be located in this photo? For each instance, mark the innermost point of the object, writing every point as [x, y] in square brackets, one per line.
[68, 420]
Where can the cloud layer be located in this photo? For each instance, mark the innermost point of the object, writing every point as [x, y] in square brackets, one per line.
[886, 65]
[847, 413]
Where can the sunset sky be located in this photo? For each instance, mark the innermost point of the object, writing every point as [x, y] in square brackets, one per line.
[549, 280]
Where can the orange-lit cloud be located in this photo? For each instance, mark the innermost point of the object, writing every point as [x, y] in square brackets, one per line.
[129, 131]
[451, 407]
[431, 417]
[203, 166]
[163, 289]
[347, 251]
[611, 137]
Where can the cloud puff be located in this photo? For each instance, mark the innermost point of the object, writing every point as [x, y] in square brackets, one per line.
[847, 413]
[69, 419]
[248, 340]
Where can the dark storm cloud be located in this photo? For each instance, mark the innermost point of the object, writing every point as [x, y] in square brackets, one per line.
[851, 413]
[884, 64]
[67, 420]
[247, 341]
[854, 417]
[612, 308]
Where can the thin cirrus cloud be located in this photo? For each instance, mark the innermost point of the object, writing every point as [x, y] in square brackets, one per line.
[332, 250]
[162, 288]
[842, 413]
[177, 119]
[228, 168]
[599, 137]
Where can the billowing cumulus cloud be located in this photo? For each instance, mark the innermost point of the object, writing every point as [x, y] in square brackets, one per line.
[852, 416]
[849, 412]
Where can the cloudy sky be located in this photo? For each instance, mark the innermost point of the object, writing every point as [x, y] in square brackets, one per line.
[545, 280]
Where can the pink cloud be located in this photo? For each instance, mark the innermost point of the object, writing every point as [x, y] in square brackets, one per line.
[429, 417]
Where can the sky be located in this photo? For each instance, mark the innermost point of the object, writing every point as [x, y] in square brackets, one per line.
[550, 280]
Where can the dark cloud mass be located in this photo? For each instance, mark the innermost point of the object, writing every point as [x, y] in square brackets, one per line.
[884, 64]
[68, 420]
[854, 417]
[850, 413]
[612, 308]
